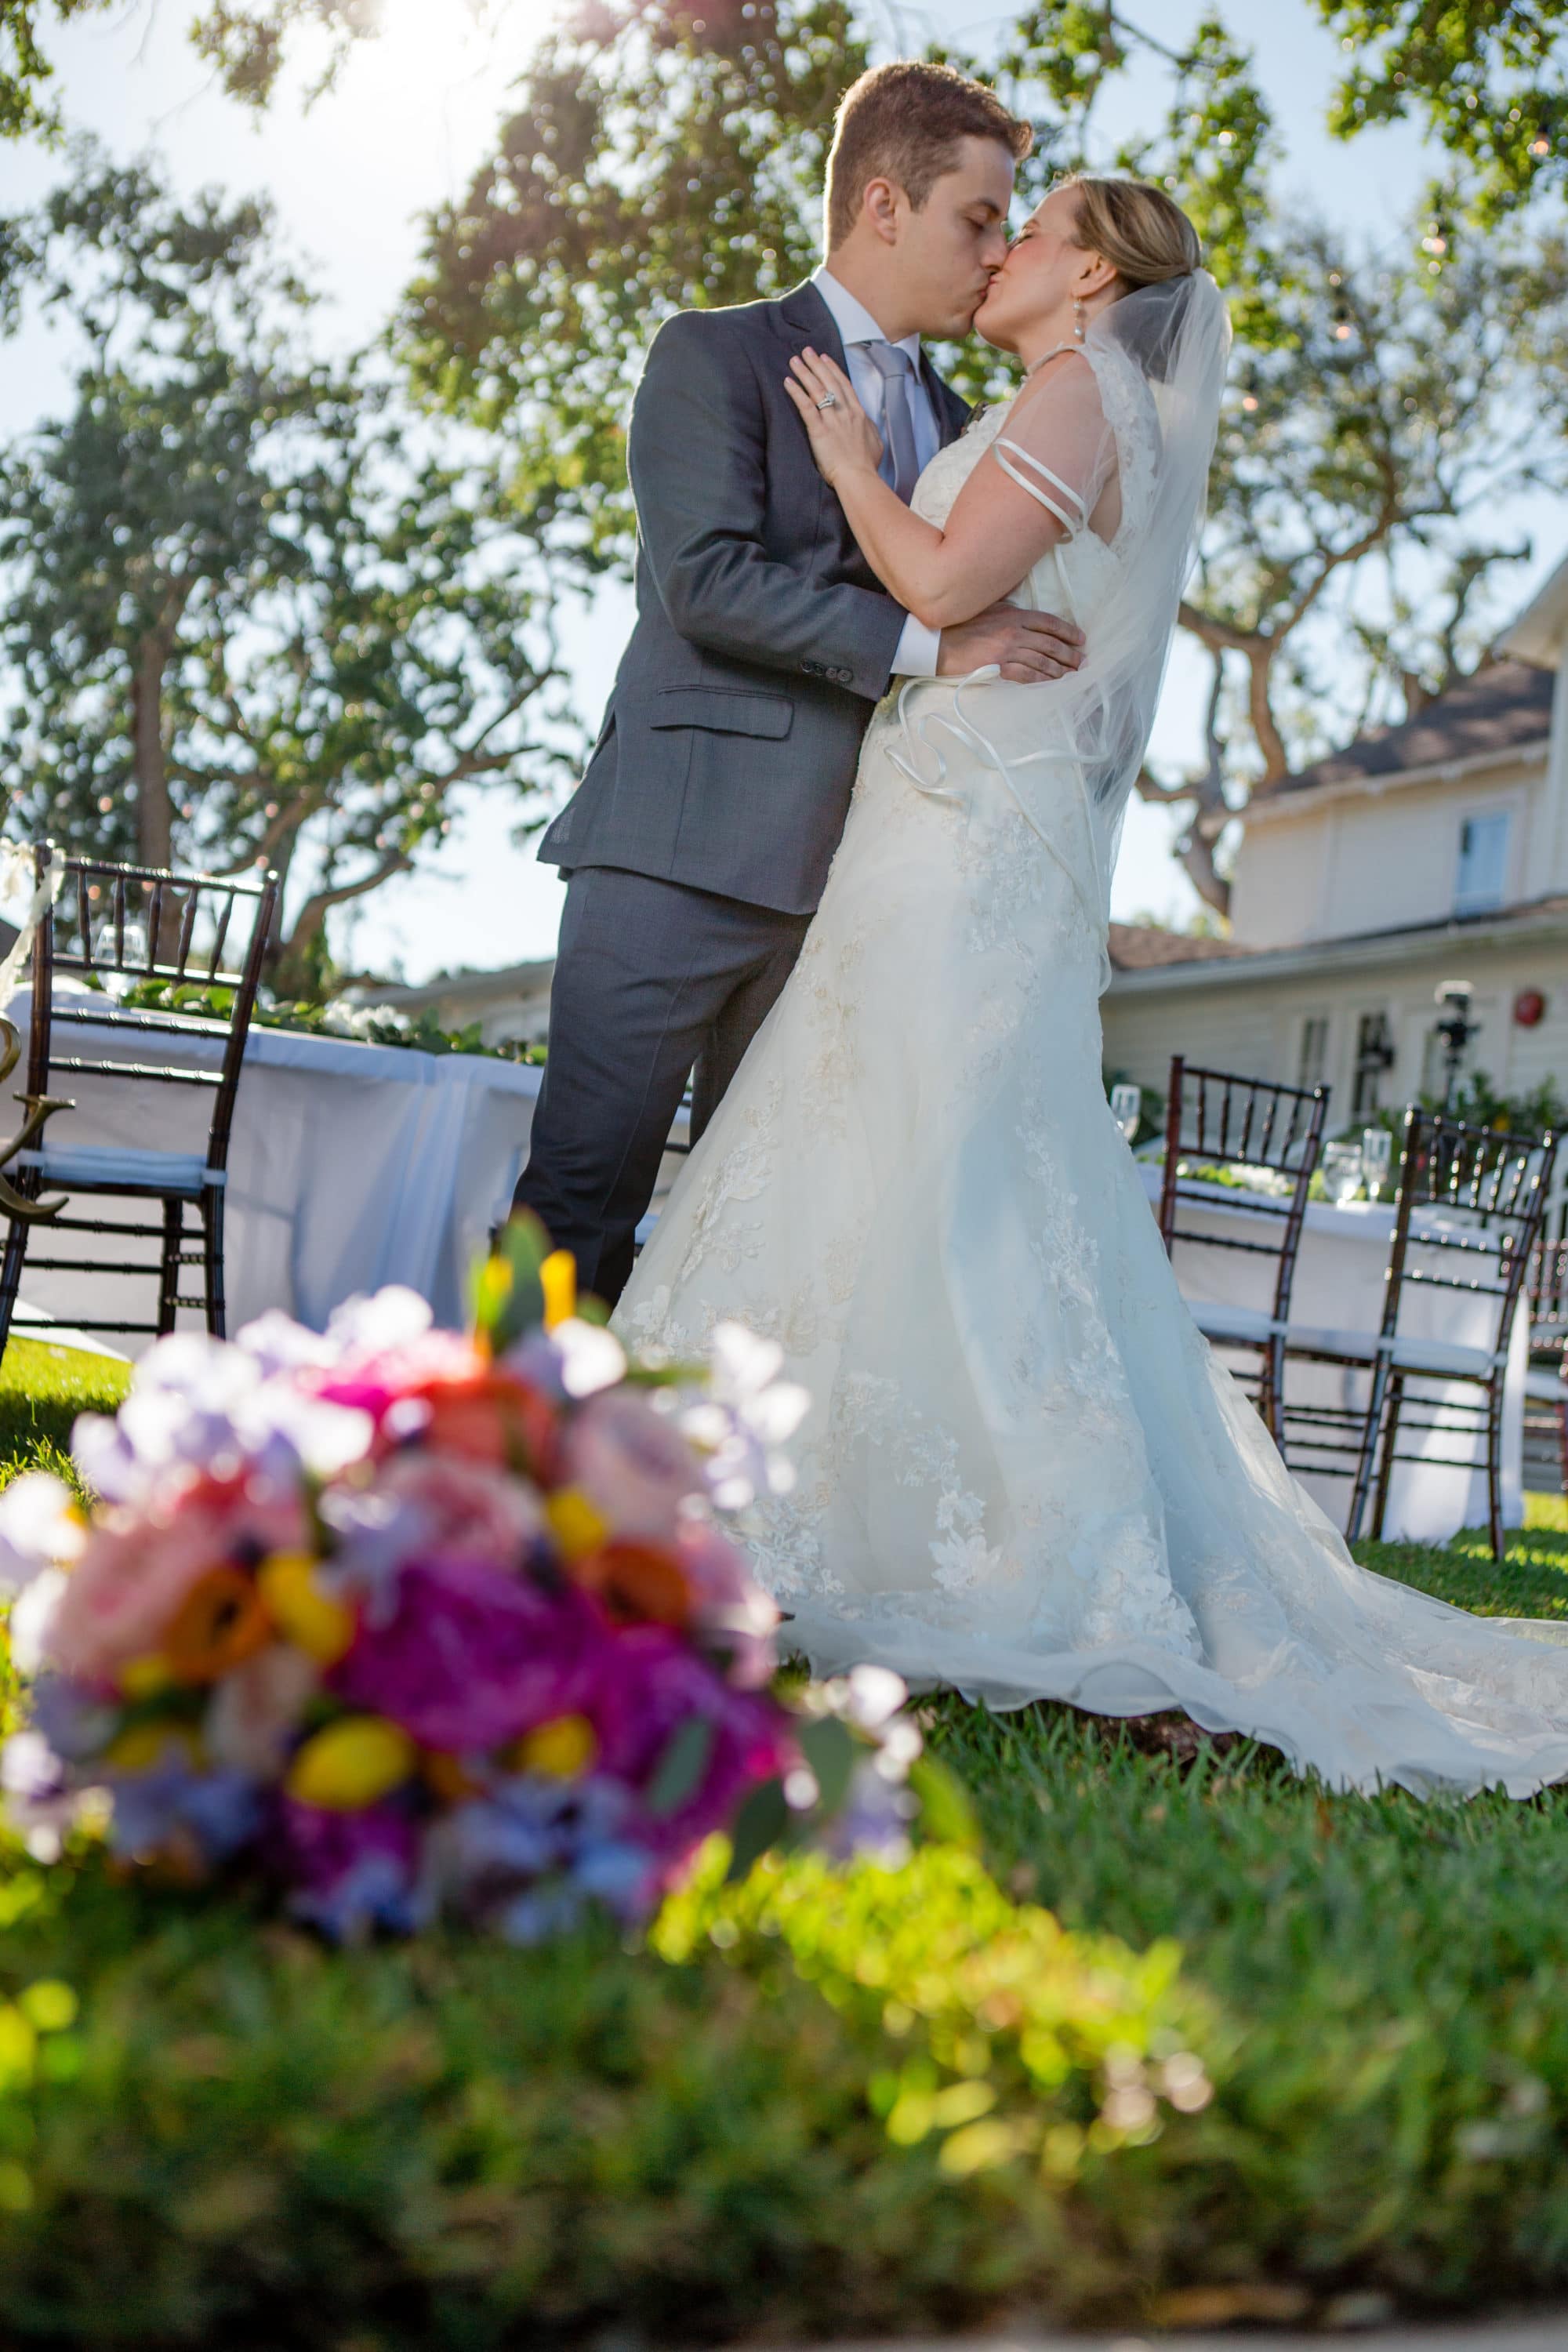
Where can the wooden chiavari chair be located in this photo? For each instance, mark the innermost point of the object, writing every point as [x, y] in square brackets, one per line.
[1469, 1216]
[115, 925]
[1214, 1119]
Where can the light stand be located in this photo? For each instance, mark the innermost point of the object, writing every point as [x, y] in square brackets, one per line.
[1456, 1029]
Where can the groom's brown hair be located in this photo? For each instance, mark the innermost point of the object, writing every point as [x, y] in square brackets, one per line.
[904, 122]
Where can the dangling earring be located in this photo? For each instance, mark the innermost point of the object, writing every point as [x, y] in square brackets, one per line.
[1078, 316]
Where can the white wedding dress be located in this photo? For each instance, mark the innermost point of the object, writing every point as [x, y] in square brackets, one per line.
[1022, 1474]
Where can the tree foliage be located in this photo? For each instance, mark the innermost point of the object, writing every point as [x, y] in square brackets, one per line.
[251, 612]
[1488, 80]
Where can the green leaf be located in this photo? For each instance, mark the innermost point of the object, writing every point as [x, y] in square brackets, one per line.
[830, 1748]
[681, 1769]
[762, 1821]
[521, 1248]
[947, 1812]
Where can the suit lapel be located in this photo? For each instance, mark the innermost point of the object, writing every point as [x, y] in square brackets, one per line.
[803, 317]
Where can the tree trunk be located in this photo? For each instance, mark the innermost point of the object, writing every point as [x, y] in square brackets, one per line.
[154, 816]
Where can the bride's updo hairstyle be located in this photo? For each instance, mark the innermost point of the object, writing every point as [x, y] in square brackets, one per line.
[1148, 241]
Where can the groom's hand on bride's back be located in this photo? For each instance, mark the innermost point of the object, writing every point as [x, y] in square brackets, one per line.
[1030, 647]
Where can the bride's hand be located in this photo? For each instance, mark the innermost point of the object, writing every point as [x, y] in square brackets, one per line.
[843, 437]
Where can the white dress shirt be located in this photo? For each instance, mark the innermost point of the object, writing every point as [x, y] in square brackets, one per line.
[917, 648]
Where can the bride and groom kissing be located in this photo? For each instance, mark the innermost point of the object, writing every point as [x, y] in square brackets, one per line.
[842, 859]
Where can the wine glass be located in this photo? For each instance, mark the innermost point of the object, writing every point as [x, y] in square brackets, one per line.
[1341, 1173]
[1376, 1159]
[1127, 1109]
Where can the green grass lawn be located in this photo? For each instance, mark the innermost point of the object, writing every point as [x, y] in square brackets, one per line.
[251, 2140]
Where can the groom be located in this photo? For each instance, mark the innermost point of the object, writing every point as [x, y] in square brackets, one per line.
[699, 841]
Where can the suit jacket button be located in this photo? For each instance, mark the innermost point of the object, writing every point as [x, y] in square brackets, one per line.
[842, 676]
[810, 667]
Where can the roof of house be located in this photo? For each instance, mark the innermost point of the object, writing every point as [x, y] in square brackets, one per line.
[511, 980]
[1501, 707]
[1142, 966]
[1141, 947]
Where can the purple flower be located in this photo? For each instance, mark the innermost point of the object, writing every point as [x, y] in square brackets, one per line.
[474, 1655]
[531, 1857]
[351, 1873]
[173, 1807]
[653, 1684]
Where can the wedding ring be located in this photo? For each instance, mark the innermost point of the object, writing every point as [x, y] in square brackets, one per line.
[828, 399]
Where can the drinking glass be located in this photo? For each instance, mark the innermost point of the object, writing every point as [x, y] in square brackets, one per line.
[1341, 1171]
[1127, 1109]
[1376, 1159]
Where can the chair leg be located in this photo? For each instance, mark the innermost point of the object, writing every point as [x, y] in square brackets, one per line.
[212, 1252]
[169, 1264]
[11, 1274]
[1382, 1418]
[1274, 1391]
[1494, 1468]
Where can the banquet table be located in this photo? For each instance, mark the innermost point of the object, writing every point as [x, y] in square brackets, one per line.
[1340, 1285]
[351, 1166]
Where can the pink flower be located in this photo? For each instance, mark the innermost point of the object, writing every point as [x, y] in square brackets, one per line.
[137, 1568]
[376, 1379]
[733, 1612]
[461, 1506]
[473, 1656]
[634, 1467]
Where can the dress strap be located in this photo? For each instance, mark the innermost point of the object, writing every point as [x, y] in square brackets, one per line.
[1061, 499]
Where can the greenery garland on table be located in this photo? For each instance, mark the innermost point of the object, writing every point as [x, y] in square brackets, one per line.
[363, 1024]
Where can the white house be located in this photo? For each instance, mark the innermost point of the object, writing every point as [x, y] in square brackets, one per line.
[509, 1005]
[1432, 851]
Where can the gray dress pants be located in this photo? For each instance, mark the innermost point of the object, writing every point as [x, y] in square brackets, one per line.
[654, 983]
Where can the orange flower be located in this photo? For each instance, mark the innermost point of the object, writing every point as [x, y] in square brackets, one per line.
[494, 1418]
[218, 1625]
[639, 1581]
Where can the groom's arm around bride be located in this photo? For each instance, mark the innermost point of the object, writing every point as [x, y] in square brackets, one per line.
[699, 839]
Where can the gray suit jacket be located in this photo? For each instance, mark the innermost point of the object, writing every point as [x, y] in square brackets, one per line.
[762, 639]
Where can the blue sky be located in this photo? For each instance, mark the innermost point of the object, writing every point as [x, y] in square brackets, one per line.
[351, 177]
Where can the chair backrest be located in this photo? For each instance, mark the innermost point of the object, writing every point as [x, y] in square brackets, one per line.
[1216, 1120]
[124, 924]
[1546, 1286]
[1470, 1206]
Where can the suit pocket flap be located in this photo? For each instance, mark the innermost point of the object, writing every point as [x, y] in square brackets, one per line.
[727, 710]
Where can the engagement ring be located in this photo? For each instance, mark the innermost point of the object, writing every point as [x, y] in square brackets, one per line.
[829, 400]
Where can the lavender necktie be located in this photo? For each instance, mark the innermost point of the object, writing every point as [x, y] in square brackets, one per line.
[899, 465]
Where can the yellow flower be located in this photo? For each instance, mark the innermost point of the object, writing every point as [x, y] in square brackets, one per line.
[558, 1280]
[303, 1612]
[145, 1677]
[563, 1748]
[577, 1526]
[351, 1764]
[143, 1747]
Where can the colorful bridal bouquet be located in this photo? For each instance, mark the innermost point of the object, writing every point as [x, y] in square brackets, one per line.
[403, 1623]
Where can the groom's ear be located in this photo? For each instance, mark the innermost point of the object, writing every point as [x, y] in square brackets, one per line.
[883, 203]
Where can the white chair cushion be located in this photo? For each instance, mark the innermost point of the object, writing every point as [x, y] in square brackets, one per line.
[1443, 1356]
[113, 1164]
[1359, 1347]
[1246, 1325]
[1543, 1387]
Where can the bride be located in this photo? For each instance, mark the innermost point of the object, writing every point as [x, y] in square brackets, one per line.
[1022, 1474]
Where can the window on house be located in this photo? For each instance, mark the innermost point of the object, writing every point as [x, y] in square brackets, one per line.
[1375, 1057]
[1312, 1061]
[1481, 883]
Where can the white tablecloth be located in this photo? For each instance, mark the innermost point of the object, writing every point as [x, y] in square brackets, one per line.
[350, 1166]
[1340, 1286]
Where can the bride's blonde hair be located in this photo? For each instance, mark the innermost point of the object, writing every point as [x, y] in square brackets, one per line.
[1142, 233]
